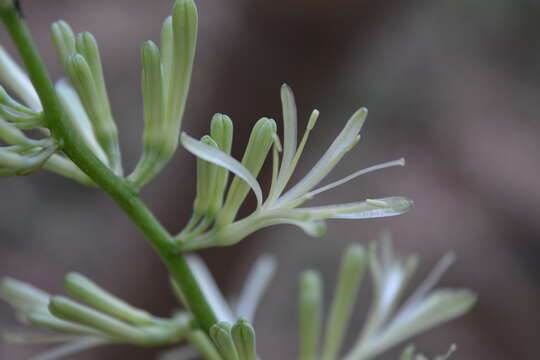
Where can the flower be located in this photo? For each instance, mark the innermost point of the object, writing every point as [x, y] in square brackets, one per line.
[103, 319]
[281, 206]
[424, 309]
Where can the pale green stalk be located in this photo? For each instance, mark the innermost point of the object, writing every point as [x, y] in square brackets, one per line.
[350, 274]
[310, 314]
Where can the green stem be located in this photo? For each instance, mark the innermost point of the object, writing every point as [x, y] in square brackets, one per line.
[115, 186]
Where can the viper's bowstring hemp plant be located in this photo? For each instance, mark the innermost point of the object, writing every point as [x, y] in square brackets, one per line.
[79, 140]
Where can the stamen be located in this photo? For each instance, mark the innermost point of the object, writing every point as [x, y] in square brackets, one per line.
[311, 124]
[399, 162]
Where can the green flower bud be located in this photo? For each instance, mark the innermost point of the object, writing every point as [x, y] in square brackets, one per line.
[63, 39]
[221, 335]
[243, 336]
[87, 46]
[48, 321]
[178, 56]
[310, 314]
[69, 310]
[22, 296]
[82, 78]
[353, 263]
[260, 141]
[206, 178]
[155, 131]
[221, 130]
[92, 294]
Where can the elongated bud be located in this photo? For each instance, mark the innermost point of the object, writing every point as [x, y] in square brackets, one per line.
[221, 335]
[63, 39]
[167, 49]
[221, 130]
[206, 176]
[184, 38]
[352, 268]
[260, 141]
[243, 336]
[104, 127]
[22, 296]
[89, 292]
[48, 321]
[87, 46]
[310, 314]
[69, 310]
[155, 131]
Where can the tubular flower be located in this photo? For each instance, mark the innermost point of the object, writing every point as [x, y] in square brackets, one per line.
[214, 221]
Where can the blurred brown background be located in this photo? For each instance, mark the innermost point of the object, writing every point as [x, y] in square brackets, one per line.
[453, 86]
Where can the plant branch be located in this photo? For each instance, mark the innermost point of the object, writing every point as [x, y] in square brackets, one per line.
[113, 185]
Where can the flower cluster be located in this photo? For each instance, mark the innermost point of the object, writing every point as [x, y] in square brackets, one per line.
[165, 82]
[217, 330]
[84, 101]
[384, 327]
[214, 220]
[101, 318]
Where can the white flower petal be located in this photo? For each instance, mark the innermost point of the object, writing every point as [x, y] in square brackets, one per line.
[254, 287]
[218, 157]
[210, 289]
[79, 118]
[368, 209]
[437, 308]
[15, 78]
[290, 129]
[343, 142]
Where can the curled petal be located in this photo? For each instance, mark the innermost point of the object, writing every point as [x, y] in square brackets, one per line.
[218, 157]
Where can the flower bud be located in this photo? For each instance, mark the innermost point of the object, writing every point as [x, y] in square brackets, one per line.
[260, 141]
[82, 77]
[206, 177]
[221, 335]
[92, 294]
[353, 264]
[221, 130]
[244, 339]
[155, 131]
[310, 314]
[63, 39]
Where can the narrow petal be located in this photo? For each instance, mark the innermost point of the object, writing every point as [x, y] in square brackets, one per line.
[220, 158]
[343, 142]
[14, 77]
[210, 289]
[437, 308]
[256, 284]
[290, 125]
[368, 209]
[79, 118]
